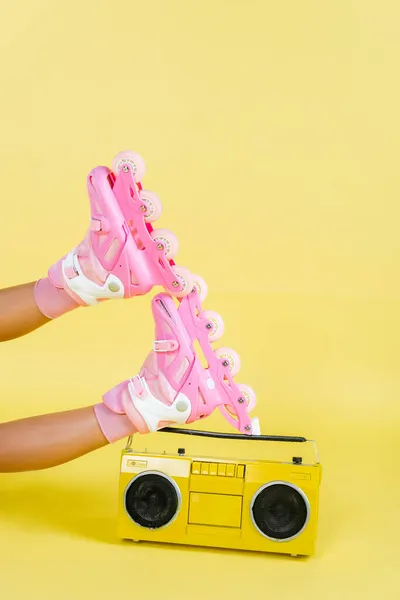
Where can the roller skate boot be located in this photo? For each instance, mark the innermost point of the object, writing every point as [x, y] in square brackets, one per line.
[122, 255]
[175, 384]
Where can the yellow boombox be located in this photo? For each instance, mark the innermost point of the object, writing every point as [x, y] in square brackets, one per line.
[247, 504]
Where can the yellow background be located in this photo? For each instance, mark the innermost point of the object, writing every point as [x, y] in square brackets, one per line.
[270, 131]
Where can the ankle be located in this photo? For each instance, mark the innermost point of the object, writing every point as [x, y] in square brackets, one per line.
[114, 426]
[52, 301]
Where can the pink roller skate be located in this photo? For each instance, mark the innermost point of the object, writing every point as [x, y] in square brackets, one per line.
[174, 387]
[122, 255]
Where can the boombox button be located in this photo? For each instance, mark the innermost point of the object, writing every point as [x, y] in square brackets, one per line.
[205, 468]
[196, 468]
[222, 470]
[230, 470]
[213, 468]
[240, 471]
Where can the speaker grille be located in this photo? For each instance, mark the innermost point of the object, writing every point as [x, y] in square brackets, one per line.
[279, 511]
[151, 500]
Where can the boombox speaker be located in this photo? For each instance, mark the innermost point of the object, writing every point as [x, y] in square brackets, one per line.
[259, 505]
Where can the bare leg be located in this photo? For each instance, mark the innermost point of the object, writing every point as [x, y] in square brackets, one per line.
[48, 440]
[19, 313]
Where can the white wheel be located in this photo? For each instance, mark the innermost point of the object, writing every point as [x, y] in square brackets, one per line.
[232, 358]
[154, 206]
[249, 395]
[201, 287]
[217, 323]
[184, 277]
[134, 160]
[168, 240]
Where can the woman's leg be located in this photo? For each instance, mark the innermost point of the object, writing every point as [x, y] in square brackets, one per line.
[19, 313]
[49, 440]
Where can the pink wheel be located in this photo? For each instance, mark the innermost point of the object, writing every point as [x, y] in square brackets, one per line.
[217, 323]
[184, 277]
[153, 205]
[249, 395]
[201, 287]
[231, 357]
[168, 240]
[134, 160]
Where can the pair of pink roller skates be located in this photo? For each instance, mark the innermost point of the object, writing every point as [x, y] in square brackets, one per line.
[124, 257]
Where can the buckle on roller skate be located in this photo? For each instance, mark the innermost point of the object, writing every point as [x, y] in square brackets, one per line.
[138, 386]
[88, 291]
[98, 223]
[152, 410]
[165, 345]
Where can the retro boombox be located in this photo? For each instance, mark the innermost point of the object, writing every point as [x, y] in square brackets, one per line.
[247, 504]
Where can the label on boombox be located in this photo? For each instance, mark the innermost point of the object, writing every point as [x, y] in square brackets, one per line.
[169, 466]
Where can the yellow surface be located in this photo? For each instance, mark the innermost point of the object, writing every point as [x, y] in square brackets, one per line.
[270, 130]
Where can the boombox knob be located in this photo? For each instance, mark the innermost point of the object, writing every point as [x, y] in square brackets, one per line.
[181, 451]
[297, 460]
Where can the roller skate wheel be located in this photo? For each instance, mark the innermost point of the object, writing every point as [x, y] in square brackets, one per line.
[168, 240]
[229, 356]
[217, 323]
[134, 160]
[201, 287]
[184, 280]
[249, 396]
[153, 205]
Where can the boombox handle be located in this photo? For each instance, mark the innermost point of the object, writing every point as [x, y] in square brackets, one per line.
[237, 436]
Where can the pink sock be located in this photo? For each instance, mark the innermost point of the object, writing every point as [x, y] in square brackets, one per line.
[51, 300]
[114, 427]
